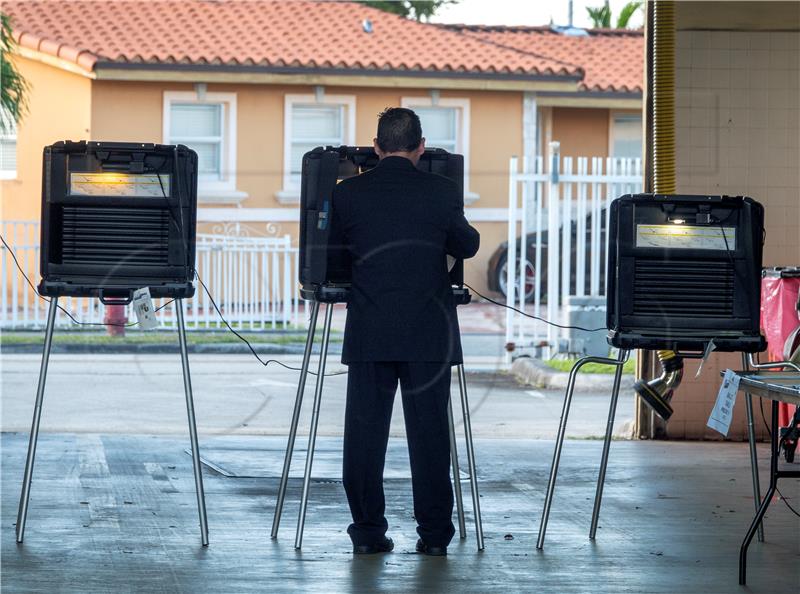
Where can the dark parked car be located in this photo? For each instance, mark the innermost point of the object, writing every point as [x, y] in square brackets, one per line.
[499, 261]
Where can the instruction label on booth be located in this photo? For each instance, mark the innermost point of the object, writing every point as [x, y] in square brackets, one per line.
[722, 413]
[687, 237]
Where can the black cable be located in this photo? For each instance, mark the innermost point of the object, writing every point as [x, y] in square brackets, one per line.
[179, 226]
[63, 310]
[527, 315]
[247, 342]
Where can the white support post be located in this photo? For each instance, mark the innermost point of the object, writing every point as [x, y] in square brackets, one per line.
[580, 244]
[553, 191]
[523, 252]
[537, 265]
[566, 234]
[511, 253]
[594, 278]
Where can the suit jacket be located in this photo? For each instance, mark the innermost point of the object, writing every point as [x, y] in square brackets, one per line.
[394, 226]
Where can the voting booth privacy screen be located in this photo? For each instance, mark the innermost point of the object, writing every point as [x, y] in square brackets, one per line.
[117, 217]
[322, 169]
[683, 271]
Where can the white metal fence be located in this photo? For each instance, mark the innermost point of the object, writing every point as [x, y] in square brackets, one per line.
[563, 205]
[251, 279]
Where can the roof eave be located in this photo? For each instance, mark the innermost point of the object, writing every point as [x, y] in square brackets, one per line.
[595, 99]
[254, 74]
[82, 67]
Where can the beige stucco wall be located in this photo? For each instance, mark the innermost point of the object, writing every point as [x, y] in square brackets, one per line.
[66, 105]
[59, 108]
[582, 132]
[737, 132]
[134, 111]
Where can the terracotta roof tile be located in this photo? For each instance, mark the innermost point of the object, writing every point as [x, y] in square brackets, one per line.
[267, 33]
[613, 60]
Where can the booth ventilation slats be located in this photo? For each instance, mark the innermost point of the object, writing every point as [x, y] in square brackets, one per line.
[683, 288]
[100, 235]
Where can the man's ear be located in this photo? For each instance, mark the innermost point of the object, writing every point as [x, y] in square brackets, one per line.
[421, 148]
[377, 148]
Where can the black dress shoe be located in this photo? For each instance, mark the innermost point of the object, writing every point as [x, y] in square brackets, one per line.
[431, 551]
[384, 546]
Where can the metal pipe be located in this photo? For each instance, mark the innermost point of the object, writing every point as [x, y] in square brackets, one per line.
[774, 365]
[312, 436]
[657, 393]
[598, 497]
[562, 426]
[663, 93]
[298, 404]
[473, 474]
[187, 387]
[22, 513]
[462, 525]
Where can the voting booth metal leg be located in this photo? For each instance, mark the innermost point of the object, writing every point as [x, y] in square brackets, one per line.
[751, 439]
[22, 514]
[312, 436]
[187, 386]
[773, 486]
[473, 475]
[462, 526]
[298, 405]
[612, 411]
[562, 427]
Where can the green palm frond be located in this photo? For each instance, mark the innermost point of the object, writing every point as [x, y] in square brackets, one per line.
[630, 9]
[13, 88]
[601, 17]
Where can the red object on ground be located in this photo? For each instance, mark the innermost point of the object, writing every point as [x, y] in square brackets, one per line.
[779, 317]
[115, 320]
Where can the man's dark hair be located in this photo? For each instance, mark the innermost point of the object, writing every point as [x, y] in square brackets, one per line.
[399, 129]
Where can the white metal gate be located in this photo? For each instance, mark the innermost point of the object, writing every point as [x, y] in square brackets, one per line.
[252, 280]
[563, 208]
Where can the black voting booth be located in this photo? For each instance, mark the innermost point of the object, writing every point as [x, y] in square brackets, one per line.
[322, 169]
[117, 217]
[683, 278]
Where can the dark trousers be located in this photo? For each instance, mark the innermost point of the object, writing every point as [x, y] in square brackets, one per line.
[425, 388]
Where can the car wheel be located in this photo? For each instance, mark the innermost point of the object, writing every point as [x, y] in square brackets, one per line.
[502, 274]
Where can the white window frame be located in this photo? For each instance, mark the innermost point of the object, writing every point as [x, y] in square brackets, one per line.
[462, 106]
[612, 115]
[221, 191]
[290, 193]
[11, 173]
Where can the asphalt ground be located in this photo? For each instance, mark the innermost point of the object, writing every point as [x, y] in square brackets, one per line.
[235, 395]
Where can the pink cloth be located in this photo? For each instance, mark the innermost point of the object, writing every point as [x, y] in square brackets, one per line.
[778, 319]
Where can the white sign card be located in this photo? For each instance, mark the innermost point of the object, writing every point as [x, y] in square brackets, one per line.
[722, 413]
[143, 306]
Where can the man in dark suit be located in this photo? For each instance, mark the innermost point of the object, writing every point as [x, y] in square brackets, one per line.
[395, 226]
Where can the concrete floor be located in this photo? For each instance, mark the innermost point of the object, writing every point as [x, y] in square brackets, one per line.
[116, 513]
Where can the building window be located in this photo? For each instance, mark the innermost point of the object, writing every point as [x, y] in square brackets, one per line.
[440, 126]
[8, 146]
[311, 121]
[199, 126]
[445, 125]
[626, 135]
[207, 124]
